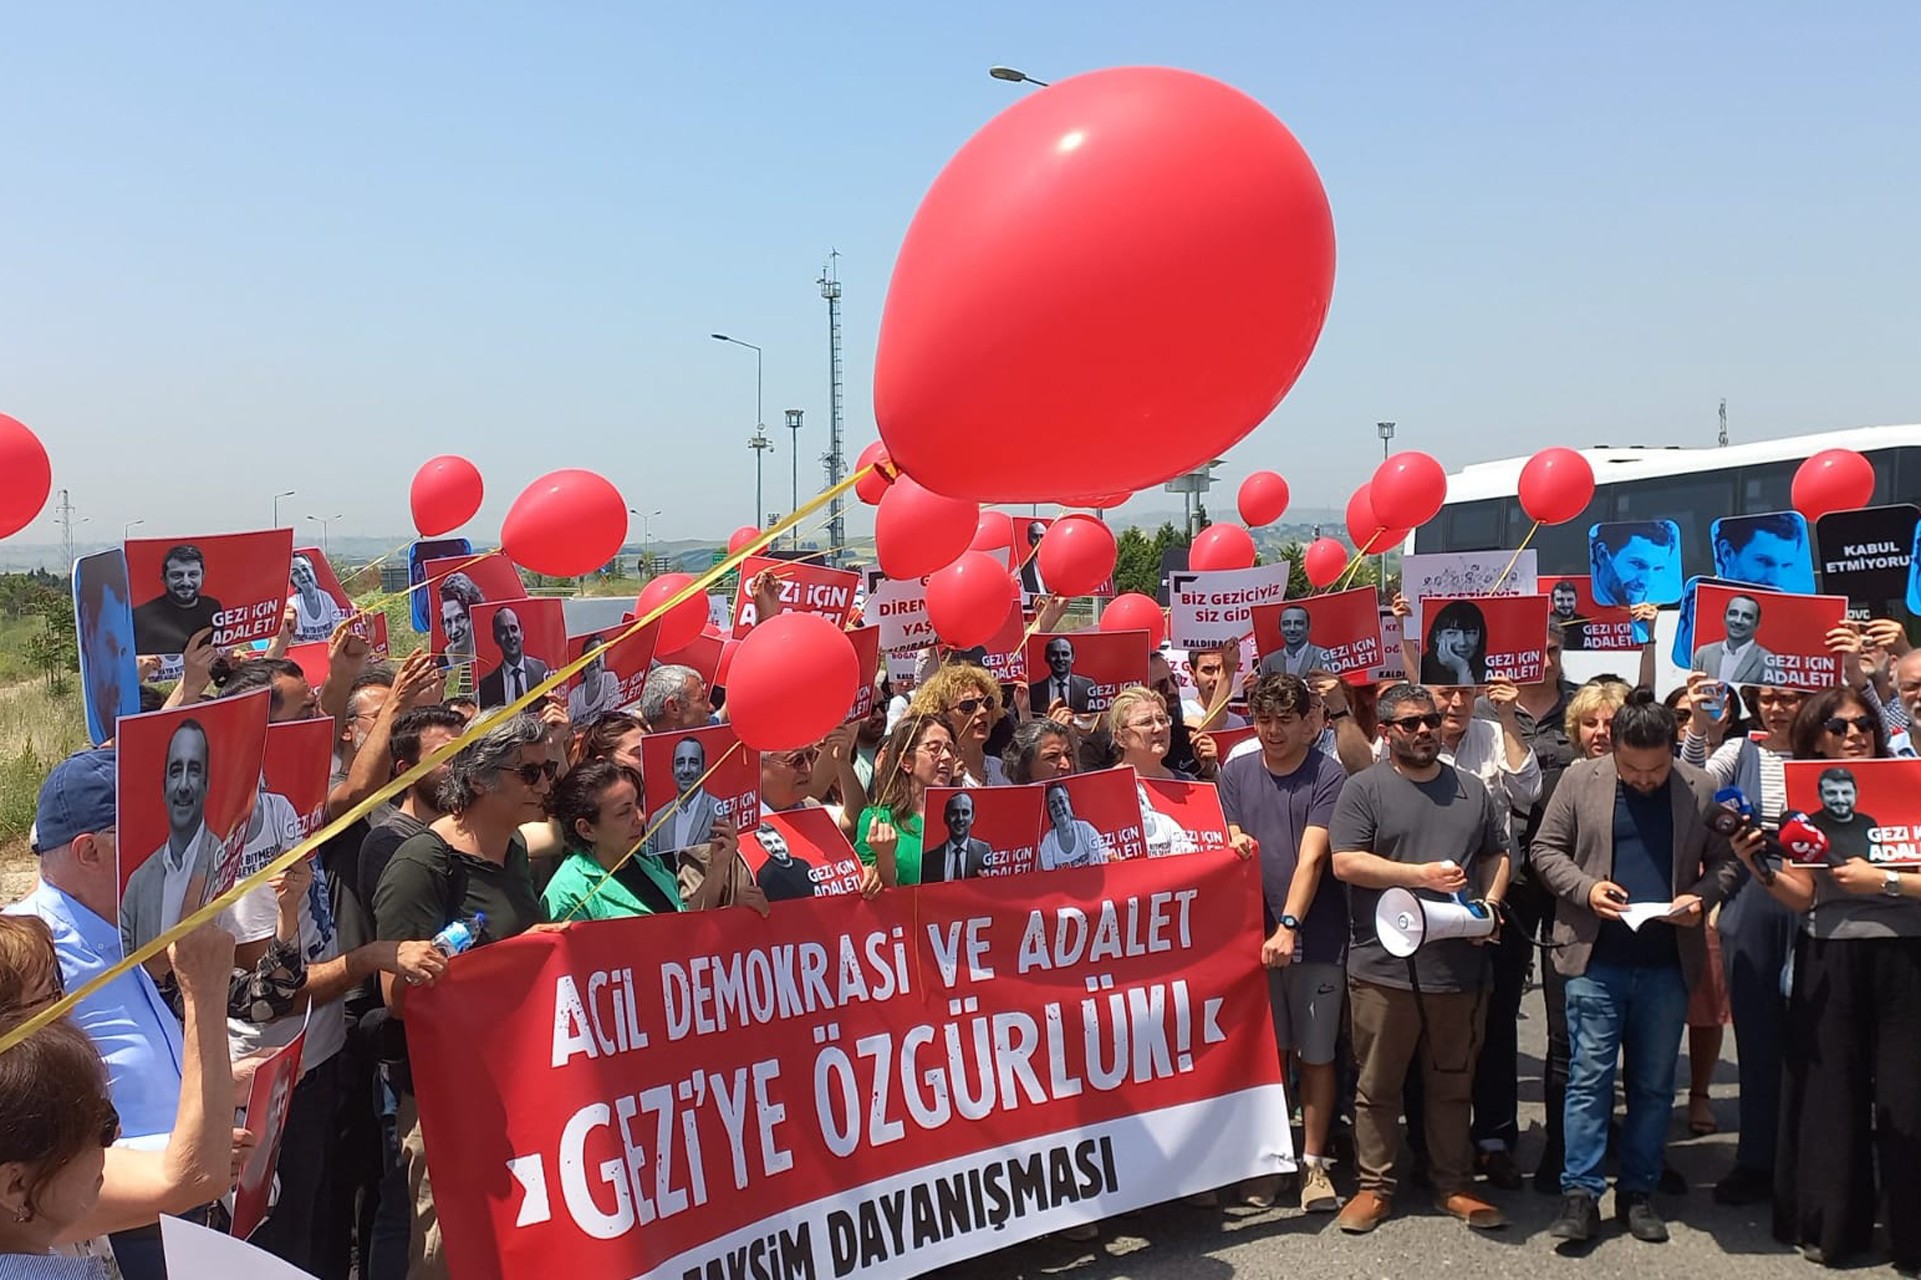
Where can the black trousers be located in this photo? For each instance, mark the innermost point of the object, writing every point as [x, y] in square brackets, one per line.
[1497, 1091]
[1757, 937]
[1852, 1099]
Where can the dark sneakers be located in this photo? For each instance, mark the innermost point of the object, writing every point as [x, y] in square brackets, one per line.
[1744, 1185]
[1636, 1209]
[1580, 1218]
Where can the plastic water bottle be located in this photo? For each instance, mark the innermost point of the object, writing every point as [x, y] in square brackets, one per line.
[461, 935]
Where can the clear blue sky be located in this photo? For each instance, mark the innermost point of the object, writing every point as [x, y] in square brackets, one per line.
[247, 248]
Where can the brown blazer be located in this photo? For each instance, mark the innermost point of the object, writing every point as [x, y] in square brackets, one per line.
[1574, 850]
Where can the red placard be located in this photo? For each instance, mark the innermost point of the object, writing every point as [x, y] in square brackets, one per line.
[614, 679]
[703, 655]
[1585, 625]
[1787, 646]
[268, 1098]
[312, 658]
[1472, 640]
[1178, 816]
[185, 781]
[298, 768]
[235, 583]
[454, 586]
[1028, 532]
[1225, 740]
[372, 628]
[535, 627]
[1339, 634]
[1098, 665]
[320, 603]
[801, 853]
[866, 642]
[977, 1063]
[701, 774]
[804, 588]
[979, 831]
[1867, 808]
[1003, 657]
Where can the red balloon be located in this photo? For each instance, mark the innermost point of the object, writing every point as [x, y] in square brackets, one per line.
[445, 494]
[726, 663]
[681, 625]
[1100, 502]
[741, 538]
[969, 600]
[1367, 533]
[26, 477]
[1556, 486]
[1833, 480]
[1408, 489]
[871, 486]
[993, 532]
[1152, 224]
[565, 524]
[1221, 546]
[1136, 612]
[791, 682]
[917, 531]
[1325, 561]
[1077, 555]
[1263, 498]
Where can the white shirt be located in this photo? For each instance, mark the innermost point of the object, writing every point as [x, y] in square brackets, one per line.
[1193, 711]
[1090, 848]
[318, 625]
[1731, 659]
[594, 696]
[687, 820]
[173, 889]
[1162, 834]
[513, 680]
[256, 916]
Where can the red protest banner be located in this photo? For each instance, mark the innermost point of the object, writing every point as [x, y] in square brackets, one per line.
[676, 768]
[1084, 669]
[800, 853]
[372, 628]
[185, 781]
[314, 591]
[613, 679]
[866, 642]
[1003, 657]
[1339, 634]
[1744, 637]
[877, 1087]
[1178, 816]
[453, 587]
[517, 644]
[234, 583]
[1225, 740]
[268, 1098]
[1586, 625]
[804, 588]
[1473, 641]
[1867, 808]
[297, 771]
[702, 654]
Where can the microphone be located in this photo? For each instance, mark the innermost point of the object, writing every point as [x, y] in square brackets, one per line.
[1806, 844]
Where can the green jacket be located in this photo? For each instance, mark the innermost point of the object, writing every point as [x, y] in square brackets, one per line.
[580, 878]
[908, 831]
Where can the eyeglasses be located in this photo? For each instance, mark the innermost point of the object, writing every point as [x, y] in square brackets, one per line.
[801, 759]
[1408, 724]
[109, 1126]
[1838, 725]
[531, 774]
[968, 706]
[936, 749]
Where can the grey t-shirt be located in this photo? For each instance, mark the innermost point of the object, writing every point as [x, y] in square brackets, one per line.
[1403, 821]
[1276, 809]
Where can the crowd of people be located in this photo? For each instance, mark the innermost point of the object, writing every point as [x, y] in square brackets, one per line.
[1550, 807]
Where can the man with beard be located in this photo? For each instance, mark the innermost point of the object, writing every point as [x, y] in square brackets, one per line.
[165, 623]
[1411, 822]
[1738, 659]
[1845, 826]
[1296, 656]
[176, 878]
[783, 877]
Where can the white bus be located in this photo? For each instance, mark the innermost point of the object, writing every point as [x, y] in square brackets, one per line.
[1692, 487]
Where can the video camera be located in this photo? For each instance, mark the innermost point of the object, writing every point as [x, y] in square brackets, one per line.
[1797, 840]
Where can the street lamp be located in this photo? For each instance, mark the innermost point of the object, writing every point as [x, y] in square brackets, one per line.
[1386, 431]
[1013, 76]
[127, 530]
[276, 506]
[793, 425]
[326, 549]
[646, 538]
[760, 444]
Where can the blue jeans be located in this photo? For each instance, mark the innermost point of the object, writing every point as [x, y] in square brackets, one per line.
[1611, 1008]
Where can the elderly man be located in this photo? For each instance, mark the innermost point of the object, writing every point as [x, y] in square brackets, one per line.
[674, 697]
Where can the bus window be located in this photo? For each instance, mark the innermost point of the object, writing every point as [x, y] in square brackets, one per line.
[1693, 502]
[1896, 471]
[1765, 487]
[1476, 526]
[1562, 548]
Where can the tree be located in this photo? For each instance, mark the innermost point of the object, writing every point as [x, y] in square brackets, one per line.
[53, 648]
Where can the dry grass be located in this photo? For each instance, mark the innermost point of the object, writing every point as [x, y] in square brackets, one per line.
[38, 729]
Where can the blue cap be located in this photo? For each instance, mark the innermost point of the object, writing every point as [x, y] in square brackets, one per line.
[77, 799]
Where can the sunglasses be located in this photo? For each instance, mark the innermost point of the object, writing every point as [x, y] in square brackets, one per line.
[1838, 725]
[109, 1126]
[1408, 724]
[968, 706]
[531, 774]
[801, 759]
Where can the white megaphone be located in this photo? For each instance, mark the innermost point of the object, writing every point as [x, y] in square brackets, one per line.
[1405, 922]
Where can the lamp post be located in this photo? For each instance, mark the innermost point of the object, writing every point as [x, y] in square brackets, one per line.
[1013, 76]
[126, 530]
[276, 506]
[326, 548]
[1386, 431]
[793, 425]
[760, 444]
[646, 539]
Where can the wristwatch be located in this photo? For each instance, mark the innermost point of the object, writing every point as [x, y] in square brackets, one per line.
[1342, 714]
[1891, 883]
[1294, 922]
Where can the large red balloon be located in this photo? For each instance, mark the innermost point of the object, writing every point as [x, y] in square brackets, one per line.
[969, 600]
[1556, 486]
[1833, 480]
[1136, 612]
[741, 538]
[1134, 263]
[791, 682]
[445, 494]
[917, 531]
[1221, 546]
[1324, 561]
[993, 532]
[565, 524]
[1263, 498]
[726, 663]
[1099, 502]
[1367, 533]
[1408, 489]
[1077, 555]
[26, 477]
[681, 625]
[871, 486]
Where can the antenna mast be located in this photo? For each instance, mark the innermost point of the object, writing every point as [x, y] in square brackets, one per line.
[1724, 423]
[66, 530]
[836, 462]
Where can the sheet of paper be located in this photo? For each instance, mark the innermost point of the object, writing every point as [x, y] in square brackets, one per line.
[1636, 914]
[212, 1255]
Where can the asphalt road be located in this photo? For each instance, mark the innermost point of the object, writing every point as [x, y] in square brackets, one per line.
[1178, 1242]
